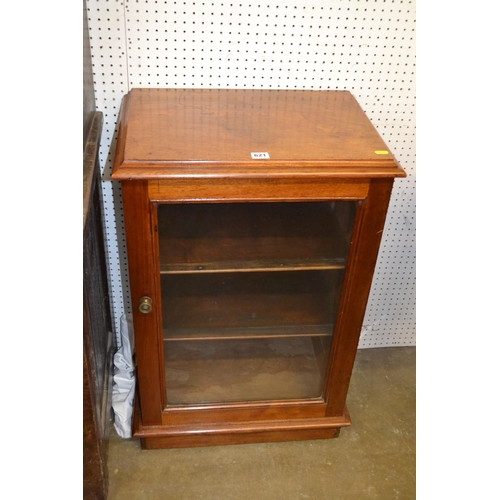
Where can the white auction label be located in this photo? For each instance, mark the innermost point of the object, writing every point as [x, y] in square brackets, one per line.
[260, 156]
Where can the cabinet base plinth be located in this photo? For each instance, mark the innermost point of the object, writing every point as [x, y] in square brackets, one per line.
[238, 433]
[153, 443]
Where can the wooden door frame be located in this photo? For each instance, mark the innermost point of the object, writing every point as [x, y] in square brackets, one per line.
[140, 199]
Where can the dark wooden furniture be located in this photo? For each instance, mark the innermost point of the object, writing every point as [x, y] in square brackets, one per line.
[98, 339]
[253, 221]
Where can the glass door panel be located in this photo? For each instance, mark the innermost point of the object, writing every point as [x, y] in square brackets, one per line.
[250, 293]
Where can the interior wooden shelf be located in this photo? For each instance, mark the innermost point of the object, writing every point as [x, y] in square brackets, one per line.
[251, 237]
[253, 266]
[233, 333]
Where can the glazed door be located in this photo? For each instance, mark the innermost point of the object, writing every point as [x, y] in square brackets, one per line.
[249, 299]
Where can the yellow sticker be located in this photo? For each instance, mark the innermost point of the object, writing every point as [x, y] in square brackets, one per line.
[382, 152]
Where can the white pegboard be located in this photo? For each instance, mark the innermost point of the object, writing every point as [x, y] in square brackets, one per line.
[364, 46]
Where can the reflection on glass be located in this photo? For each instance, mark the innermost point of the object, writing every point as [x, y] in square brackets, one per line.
[250, 293]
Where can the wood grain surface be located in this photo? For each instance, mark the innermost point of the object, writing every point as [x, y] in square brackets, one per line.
[245, 258]
[179, 132]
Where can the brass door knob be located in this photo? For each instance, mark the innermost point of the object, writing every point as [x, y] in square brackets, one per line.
[145, 305]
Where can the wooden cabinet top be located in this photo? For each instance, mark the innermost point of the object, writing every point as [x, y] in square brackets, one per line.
[167, 133]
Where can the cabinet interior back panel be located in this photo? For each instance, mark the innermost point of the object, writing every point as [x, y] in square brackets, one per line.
[364, 46]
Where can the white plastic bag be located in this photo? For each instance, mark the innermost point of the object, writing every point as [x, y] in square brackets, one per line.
[124, 379]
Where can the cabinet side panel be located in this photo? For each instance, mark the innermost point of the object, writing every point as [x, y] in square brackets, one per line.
[143, 283]
[359, 274]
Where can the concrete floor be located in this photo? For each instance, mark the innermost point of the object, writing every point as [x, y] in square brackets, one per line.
[372, 459]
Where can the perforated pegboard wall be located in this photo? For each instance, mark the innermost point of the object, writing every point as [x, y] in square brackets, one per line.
[364, 46]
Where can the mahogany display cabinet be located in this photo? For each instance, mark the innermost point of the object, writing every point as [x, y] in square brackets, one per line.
[253, 220]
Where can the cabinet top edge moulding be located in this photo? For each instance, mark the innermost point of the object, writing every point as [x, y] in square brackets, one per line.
[239, 133]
